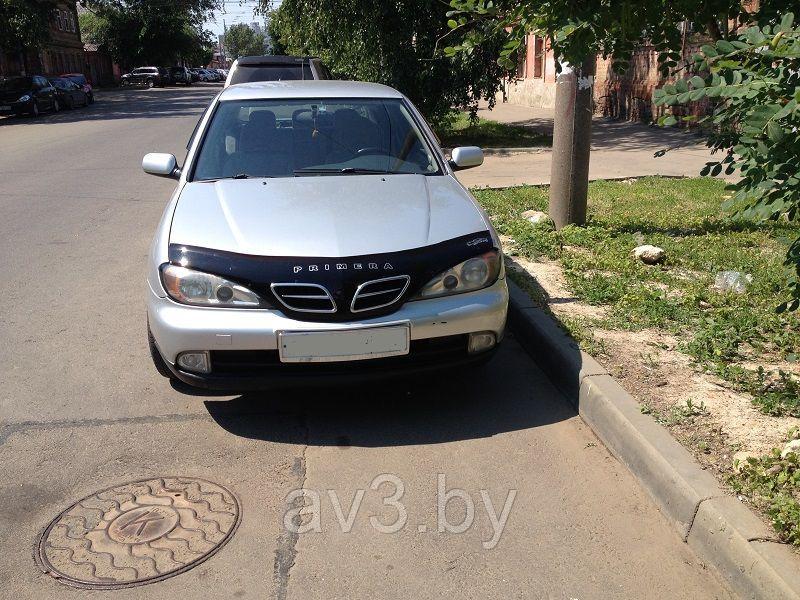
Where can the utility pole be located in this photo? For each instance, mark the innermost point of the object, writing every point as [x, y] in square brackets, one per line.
[572, 136]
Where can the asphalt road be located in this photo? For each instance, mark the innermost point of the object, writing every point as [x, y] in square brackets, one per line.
[83, 409]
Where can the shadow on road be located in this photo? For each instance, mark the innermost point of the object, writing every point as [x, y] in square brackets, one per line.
[508, 394]
[132, 103]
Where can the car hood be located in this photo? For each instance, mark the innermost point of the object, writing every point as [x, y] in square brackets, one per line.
[333, 216]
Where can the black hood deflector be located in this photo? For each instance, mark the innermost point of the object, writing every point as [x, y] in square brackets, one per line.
[341, 275]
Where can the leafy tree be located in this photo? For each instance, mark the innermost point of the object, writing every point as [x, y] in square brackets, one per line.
[395, 43]
[753, 75]
[754, 82]
[240, 40]
[137, 32]
[24, 25]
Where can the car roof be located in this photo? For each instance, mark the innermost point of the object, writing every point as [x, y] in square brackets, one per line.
[307, 89]
[272, 60]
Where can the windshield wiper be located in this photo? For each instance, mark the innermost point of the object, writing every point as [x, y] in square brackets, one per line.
[345, 171]
[237, 176]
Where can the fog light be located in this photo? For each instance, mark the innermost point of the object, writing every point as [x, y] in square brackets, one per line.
[195, 362]
[481, 341]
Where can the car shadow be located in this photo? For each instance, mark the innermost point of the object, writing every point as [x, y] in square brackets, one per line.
[508, 394]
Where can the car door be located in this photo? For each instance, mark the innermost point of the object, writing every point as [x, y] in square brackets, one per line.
[45, 93]
[75, 91]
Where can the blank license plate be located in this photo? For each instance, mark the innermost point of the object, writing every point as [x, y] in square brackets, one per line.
[351, 344]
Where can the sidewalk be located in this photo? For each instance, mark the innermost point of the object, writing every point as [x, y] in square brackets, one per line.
[619, 149]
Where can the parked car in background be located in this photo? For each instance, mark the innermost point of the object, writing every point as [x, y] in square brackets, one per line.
[180, 75]
[276, 68]
[145, 77]
[211, 75]
[27, 95]
[69, 93]
[318, 231]
[195, 75]
[82, 81]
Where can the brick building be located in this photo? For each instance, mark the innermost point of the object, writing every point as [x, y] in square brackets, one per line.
[623, 96]
[63, 53]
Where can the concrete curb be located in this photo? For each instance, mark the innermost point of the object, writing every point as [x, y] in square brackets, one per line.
[721, 530]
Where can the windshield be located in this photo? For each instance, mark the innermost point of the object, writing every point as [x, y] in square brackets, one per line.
[286, 138]
[145, 70]
[16, 84]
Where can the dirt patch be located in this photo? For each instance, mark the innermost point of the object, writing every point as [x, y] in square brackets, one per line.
[551, 279]
[712, 420]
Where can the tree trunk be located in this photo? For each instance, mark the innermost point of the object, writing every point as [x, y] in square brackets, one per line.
[572, 135]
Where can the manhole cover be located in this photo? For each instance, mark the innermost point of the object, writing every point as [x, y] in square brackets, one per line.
[138, 532]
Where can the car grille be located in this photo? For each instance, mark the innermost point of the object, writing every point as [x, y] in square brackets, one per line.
[304, 297]
[379, 293]
[428, 352]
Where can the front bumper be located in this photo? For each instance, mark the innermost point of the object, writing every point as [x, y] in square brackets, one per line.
[244, 343]
[16, 108]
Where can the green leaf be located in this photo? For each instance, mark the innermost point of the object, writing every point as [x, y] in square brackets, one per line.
[452, 24]
[697, 82]
[668, 121]
[786, 22]
[775, 131]
[696, 95]
[681, 86]
[709, 51]
[725, 46]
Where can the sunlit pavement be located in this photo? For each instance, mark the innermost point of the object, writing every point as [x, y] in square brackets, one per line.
[505, 493]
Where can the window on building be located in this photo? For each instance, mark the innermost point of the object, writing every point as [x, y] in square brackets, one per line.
[538, 56]
[523, 54]
[59, 21]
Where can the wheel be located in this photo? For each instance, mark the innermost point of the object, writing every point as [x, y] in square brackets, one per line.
[35, 110]
[158, 360]
[56, 105]
[150, 83]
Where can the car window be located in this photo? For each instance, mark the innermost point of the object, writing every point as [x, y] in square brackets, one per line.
[246, 73]
[16, 84]
[285, 138]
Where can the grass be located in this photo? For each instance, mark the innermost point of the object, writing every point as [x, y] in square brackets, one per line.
[730, 335]
[458, 131]
[771, 483]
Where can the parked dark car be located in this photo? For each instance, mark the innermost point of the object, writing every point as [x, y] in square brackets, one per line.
[180, 75]
[27, 95]
[195, 74]
[69, 93]
[145, 77]
[83, 81]
[276, 68]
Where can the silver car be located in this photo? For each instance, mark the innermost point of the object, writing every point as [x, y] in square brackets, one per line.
[317, 232]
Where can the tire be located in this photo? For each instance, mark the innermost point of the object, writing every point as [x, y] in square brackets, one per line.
[35, 110]
[158, 361]
[56, 106]
[150, 84]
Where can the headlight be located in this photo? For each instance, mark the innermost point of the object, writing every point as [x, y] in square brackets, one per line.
[24, 98]
[203, 289]
[473, 274]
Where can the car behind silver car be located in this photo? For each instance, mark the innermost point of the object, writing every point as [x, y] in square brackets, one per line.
[317, 231]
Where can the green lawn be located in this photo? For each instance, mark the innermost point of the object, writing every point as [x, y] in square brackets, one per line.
[489, 134]
[683, 216]
[728, 334]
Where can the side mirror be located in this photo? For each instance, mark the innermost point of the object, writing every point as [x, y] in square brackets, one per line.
[161, 164]
[466, 157]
